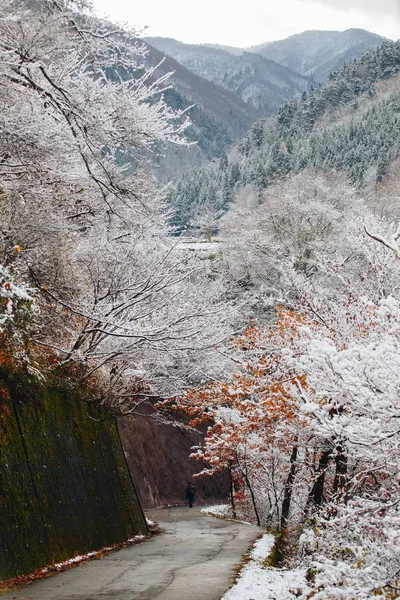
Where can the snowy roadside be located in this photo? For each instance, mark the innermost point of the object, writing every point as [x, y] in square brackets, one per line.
[222, 511]
[256, 582]
[218, 510]
[266, 583]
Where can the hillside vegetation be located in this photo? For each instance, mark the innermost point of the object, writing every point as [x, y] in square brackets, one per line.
[361, 140]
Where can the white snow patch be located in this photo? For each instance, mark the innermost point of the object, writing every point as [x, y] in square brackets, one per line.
[256, 583]
[265, 583]
[202, 246]
[262, 547]
[218, 510]
[75, 559]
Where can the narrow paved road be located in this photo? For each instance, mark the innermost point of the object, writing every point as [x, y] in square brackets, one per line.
[193, 560]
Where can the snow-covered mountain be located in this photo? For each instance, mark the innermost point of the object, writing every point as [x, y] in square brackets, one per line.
[262, 83]
[219, 117]
[317, 53]
[218, 102]
[231, 87]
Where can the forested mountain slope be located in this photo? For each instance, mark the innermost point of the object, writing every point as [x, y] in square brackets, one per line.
[317, 53]
[219, 117]
[351, 123]
[260, 82]
[220, 104]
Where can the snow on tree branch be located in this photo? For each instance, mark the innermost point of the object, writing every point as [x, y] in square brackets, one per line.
[80, 115]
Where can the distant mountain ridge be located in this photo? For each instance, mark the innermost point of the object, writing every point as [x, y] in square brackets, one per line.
[313, 54]
[317, 53]
[259, 81]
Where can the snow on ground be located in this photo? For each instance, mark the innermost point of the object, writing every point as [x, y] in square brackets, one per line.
[223, 511]
[198, 245]
[60, 566]
[262, 548]
[218, 510]
[265, 583]
[255, 581]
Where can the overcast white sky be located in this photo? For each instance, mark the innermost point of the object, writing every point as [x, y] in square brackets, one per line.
[247, 22]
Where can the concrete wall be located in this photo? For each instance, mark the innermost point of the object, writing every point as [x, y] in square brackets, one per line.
[64, 483]
[158, 457]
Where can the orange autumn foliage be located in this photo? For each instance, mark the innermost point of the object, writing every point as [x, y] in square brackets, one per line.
[257, 394]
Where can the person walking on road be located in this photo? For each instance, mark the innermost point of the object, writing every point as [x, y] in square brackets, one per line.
[190, 494]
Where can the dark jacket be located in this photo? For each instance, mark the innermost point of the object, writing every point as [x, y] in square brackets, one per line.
[190, 492]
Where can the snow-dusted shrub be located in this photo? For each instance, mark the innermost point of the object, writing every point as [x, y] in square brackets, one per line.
[17, 306]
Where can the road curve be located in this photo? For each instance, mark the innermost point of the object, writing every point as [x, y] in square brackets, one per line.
[193, 560]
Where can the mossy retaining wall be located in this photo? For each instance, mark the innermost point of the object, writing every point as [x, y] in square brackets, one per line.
[65, 487]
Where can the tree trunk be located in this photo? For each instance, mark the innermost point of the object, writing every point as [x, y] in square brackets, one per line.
[288, 488]
[232, 494]
[317, 492]
[339, 483]
[253, 500]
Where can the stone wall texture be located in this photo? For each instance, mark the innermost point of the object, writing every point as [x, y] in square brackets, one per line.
[65, 487]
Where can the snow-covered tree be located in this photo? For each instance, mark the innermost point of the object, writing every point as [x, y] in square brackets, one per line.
[17, 307]
[308, 425]
[79, 116]
[350, 409]
[252, 432]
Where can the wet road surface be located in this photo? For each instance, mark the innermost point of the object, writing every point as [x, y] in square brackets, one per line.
[194, 559]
